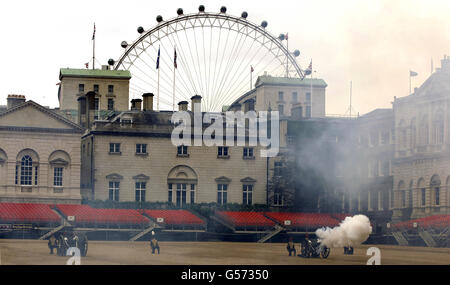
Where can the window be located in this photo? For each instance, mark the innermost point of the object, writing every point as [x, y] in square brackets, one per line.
[114, 190]
[277, 168]
[170, 193]
[281, 96]
[222, 193]
[385, 138]
[58, 176]
[140, 191]
[247, 191]
[294, 97]
[277, 198]
[141, 148]
[110, 88]
[423, 192]
[114, 148]
[81, 88]
[308, 112]
[248, 152]
[222, 151]
[182, 150]
[181, 194]
[26, 170]
[308, 98]
[36, 169]
[96, 105]
[110, 104]
[192, 193]
[96, 88]
[17, 174]
[281, 109]
[436, 195]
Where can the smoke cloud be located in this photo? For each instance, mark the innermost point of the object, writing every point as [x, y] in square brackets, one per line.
[353, 231]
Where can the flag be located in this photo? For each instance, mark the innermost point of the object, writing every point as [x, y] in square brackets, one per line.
[412, 73]
[286, 36]
[308, 71]
[252, 69]
[87, 64]
[58, 84]
[175, 58]
[157, 60]
[93, 35]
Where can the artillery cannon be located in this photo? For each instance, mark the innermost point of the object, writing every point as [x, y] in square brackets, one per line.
[70, 239]
[312, 248]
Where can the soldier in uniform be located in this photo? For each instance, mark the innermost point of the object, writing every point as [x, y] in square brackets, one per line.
[291, 247]
[154, 243]
[52, 243]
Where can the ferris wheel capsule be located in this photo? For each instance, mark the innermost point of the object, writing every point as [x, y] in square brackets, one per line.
[201, 8]
[140, 30]
[264, 24]
[124, 44]
[223, 9]
[111, 61]
[296, 53]
[180, 11]
[244, 15]
[159, 19]
[281, 37]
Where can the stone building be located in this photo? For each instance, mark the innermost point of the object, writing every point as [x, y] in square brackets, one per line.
[306, 96]
[130, 157]
[111, 88]
[39, 154]
[422, 157]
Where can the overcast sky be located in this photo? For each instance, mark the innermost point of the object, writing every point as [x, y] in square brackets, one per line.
[372, 43]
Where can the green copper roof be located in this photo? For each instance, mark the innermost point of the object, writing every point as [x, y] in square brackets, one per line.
[96, 73]
[270, 80]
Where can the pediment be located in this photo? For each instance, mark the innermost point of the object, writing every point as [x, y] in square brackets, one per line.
[248, 180]
[141, 177]
[59, 161]
[223, 179]
[114, 176]
[32, 115]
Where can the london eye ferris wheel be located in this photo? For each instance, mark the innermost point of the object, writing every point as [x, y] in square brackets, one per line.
[215, 55]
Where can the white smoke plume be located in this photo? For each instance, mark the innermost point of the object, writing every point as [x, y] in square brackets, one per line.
[351, 232]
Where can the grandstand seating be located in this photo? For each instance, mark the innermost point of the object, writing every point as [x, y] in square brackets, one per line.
[27, 213]
[435, 222]
[175, 217]
[89, 215]
[246, 219]
[304, 220]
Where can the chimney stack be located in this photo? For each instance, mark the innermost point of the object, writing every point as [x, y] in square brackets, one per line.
[196, 103]
[148, 101]
[14, 100]
[136, 104]
[183, 106]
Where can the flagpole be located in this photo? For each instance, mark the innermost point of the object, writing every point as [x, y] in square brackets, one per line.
[251, 78]
[157, 103]
[310, 103]
[174, 70]
[409, 82]
[93, 50]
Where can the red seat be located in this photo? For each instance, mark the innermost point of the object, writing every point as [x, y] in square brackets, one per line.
[27, 212]
[87, 214]
[304, 220]
[175, 217]
[246, 219]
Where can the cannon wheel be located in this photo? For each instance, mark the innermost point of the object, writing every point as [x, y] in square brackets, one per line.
[325, 252]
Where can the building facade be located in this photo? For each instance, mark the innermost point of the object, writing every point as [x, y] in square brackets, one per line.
[40, 158]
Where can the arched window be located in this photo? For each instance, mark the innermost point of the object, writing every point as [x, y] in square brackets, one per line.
[410, 194]
[435, 187]
[26, 170]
